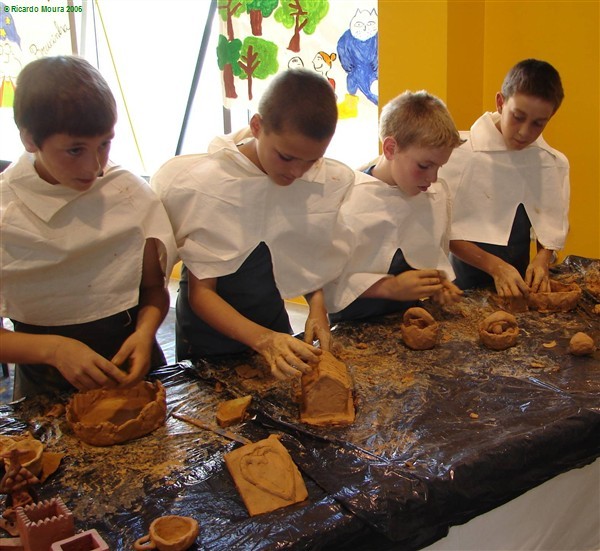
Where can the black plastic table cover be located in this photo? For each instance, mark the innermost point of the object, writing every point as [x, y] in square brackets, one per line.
[440, 437]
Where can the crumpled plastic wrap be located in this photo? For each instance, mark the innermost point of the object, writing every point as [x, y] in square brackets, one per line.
[440, 436]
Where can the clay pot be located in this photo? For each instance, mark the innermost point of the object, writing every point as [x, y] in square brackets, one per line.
[111, 416]
[561, 298]
[581, 344]
[34, 449]
[419, 329]
[170, 533]
[499, 330]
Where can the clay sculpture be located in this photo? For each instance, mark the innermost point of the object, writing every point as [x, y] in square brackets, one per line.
[499, 330]
[581, 344]
[31, 456]
[111, 416]
[326, 393]
[232, 411]
[265, 476]
[562, 297]
[419, 330]
[169, 533]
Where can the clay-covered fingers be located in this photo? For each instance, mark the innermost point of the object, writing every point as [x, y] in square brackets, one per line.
[508, 281]
[537, 278]
[84, 368]
[316, 330]
[288, 356]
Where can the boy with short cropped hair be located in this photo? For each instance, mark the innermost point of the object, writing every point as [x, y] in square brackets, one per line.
[85, 244]
[507, 183]
[256, 221]
[399, 214]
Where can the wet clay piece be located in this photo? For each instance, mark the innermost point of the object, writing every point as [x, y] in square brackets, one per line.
[499, 330]
[561, 298]
[112, 416]
[232, 411]
[419, 330]
[169, 533]
[326, 394]
[581, 344]
[265, 476]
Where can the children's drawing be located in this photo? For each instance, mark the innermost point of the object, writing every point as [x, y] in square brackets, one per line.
[295, 62]
[322, 63]
[258, 9]
[357, 51]
[302, 15]
[258, 59]
[337, 39]
[10, 57]
[228, 9]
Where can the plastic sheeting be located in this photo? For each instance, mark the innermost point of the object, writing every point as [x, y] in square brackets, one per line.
[440, 436]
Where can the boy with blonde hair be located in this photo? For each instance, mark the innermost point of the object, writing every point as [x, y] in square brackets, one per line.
[85, 245]
[508, 183]
[256, 221]
[398, 212]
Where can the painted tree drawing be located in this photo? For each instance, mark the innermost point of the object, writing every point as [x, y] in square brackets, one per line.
[228, 55]
[258, 59]
[302, 15]
[228, 9]
[259, 9]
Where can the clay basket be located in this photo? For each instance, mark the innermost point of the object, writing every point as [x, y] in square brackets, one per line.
[112, 416]
[499, 331]
[561, 298]
[419, 329]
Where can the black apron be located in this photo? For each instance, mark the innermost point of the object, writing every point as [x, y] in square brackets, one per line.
[516, 253]
[251, 290]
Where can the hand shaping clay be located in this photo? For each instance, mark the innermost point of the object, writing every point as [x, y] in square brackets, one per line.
[499, 330]
[111, 416]
[561, 298]
[326, 394]
[419, 329]
[232, 411]
[581, 344]
[265, 476]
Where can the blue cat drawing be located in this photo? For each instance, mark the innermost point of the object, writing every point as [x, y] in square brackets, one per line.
[358, 55]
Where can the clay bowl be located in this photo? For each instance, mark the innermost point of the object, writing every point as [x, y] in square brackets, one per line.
[32, 459]
[419, 329]
[169, 533]
[561, 298]
[499, 331]
[111, 416]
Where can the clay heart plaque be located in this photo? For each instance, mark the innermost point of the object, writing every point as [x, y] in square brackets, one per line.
[265, 476]
[269, 470]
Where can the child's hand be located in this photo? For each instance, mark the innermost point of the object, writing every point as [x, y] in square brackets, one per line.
[136, 351]
[508, 281]
[449, 293]
[84, 368]
[317, 328]
[537, 275]
[286, 355]
[416, 284]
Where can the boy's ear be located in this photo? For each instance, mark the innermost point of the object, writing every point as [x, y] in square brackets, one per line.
[499, 102]
[389, 147]
[255, 125]
[28, 141]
